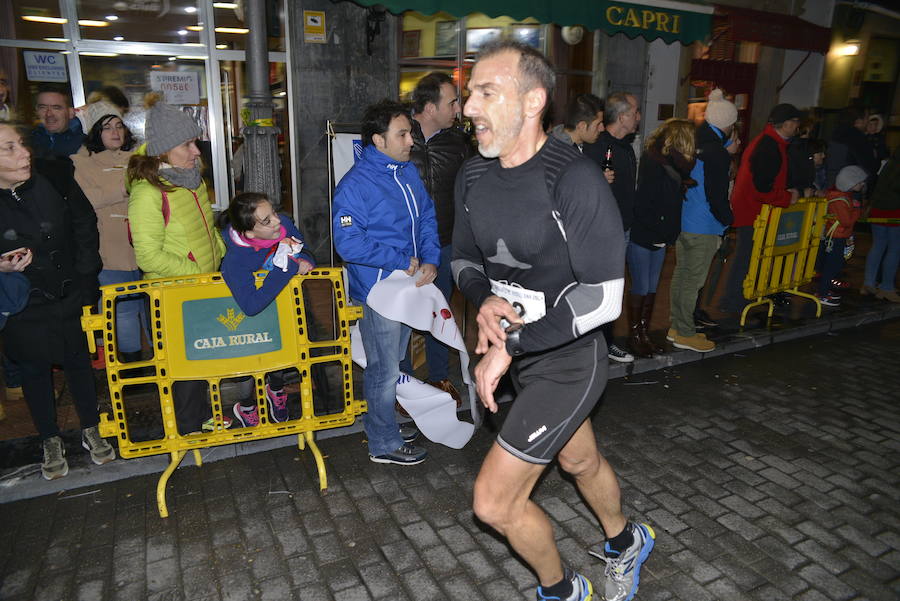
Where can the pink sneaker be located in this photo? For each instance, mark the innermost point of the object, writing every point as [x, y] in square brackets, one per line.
[278, 409]
[247, 417]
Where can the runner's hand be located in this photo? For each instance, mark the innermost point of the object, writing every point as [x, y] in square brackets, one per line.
[429, 272]
[492, 310]
[413, 266]
[488, 373]
[610, 175]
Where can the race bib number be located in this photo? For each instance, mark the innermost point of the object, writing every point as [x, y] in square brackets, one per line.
[529, 304]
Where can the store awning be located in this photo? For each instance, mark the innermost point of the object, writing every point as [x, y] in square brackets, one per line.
[683, 21]
[773, 29]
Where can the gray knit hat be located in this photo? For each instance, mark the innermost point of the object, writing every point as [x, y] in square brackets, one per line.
[719, 111]
[167, 127]
[849, 176]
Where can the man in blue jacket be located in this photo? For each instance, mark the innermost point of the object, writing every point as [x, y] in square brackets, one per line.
[59, 133]
[384, 221]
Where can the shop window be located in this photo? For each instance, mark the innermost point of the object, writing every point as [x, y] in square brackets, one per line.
[234, 92]
[231, 26]
[32, 20]
[139, 21]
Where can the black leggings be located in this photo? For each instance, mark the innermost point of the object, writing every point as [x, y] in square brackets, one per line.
[37, 384]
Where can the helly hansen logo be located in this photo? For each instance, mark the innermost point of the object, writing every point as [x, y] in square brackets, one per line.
[346, 220]
[537, 433]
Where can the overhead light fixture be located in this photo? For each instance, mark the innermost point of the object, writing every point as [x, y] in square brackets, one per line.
[99, 53]
[194, 44]
[282, 93]
[232, 30]
[171, 58]
[118, 38]
[221, 46]
[190, 9]
[66, 52]
[185, 57]
[38, 19]
[92, 23]
[182, 32]
[848, 49]
[56, 39]
[111, 17]
[225, 5]
[194, 28]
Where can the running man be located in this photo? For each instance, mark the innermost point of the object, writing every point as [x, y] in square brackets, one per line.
[539, 249]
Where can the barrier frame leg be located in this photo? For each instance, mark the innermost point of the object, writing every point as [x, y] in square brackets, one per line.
[177, 456]
[310, 440]
[756, 303]
[811, 297]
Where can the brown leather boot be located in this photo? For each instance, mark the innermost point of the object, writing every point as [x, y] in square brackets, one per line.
[646, 316]
[636, 343]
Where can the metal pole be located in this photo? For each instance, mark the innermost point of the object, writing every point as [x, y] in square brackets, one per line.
[261, 164]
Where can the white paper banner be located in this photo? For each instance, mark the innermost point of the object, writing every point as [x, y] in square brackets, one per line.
[424, 308]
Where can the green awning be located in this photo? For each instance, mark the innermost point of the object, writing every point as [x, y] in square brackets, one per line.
[682, 21]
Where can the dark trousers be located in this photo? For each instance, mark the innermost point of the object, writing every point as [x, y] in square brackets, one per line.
[191, 405]
[37, 385]
[830, 263]
[733, 300]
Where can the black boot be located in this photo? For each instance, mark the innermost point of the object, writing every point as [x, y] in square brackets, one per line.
[639, 348]
[646, 316]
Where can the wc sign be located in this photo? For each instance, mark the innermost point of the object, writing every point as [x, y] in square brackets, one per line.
[45, 66]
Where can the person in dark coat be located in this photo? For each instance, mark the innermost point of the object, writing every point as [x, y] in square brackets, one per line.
[663, 178]
[50, 235]
[613, 151]
[849, 146]
[439, 150]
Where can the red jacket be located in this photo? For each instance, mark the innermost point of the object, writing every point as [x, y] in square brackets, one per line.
[761, 178]
[842, 206]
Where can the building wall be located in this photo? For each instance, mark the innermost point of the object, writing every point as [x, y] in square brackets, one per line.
[333, 81]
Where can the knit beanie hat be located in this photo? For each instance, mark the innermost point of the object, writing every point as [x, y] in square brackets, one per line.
[784, 112]
[850, 176]
[719, 111]
[167, 127]
[89, 114]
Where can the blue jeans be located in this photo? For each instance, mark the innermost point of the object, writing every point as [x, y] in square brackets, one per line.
[885, 253]
[131, 311]
[385, 342]
[437, 354]
[644, 265]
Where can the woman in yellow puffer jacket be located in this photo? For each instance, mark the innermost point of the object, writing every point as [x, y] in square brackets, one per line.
[172, 226]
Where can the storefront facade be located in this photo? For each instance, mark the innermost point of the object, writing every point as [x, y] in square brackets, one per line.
[192, 51]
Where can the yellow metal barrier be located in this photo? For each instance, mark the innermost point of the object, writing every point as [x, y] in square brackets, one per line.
[785, 246]
[199, 333]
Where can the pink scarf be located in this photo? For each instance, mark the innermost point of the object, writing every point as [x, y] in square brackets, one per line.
[260, 244]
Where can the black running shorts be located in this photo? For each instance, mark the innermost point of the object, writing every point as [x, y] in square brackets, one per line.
[555, 393]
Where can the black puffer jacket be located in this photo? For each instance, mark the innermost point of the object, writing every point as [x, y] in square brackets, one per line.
[438, 161]
[58, 224]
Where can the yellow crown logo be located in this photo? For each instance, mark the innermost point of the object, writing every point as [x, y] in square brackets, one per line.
[230, 320]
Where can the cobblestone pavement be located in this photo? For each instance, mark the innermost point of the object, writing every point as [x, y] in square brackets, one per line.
[770, 474]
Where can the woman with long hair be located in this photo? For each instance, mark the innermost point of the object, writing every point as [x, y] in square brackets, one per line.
[100, 171]
[172, 225]
[663, 177]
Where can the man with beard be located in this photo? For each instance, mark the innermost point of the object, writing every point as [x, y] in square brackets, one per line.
[539, 249]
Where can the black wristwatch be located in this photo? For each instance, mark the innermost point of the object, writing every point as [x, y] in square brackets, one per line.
[513, 344]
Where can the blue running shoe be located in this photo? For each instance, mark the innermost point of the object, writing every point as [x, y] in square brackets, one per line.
[582, 590]
[623, 570]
